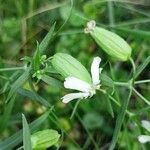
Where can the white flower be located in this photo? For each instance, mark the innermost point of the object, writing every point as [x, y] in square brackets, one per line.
[145, 138]
[86, 89]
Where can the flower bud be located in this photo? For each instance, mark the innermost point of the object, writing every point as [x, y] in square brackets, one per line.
[66, 65]
[110, 42]
[44, 139]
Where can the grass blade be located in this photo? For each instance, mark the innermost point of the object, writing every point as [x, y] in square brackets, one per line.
[26, 134]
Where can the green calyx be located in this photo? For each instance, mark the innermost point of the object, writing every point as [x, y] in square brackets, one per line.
[67, 66]
[44, 139]
[111, 43]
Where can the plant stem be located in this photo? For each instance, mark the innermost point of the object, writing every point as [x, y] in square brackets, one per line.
[111, 13]
[121, 84]
[142, 81]
[75, 108]
[119, 121]
[11, 69]
[133, 66]
[141, 96]
[118, 104]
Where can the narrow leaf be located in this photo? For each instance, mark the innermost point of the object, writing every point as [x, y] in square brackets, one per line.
[109, 107]
[134, 32]
[106, 80]
[119, 121]
[142, 67]
[51, 81]
[33, 96]
[18, 83]
[26, 135]
[7, 113]
[44, 44]
[15, 139]
[36, 59]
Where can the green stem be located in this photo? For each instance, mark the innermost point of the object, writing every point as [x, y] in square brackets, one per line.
[12, 69]
[118, 104]
[121, 84]
[115, 101]
[75, 108]
[119, 121]
[141, 96]
[142, 81]
[133, 66]
[123, 109]
[111, 13]
[89, 134]
[124, 84]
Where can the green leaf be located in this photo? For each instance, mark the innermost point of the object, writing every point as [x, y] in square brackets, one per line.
[134, 32]
[33, 96]
[26, 134]
[15, 139]
[119, 121]
[44, 139]
[50, 69]
[106, 80]
[7, 112]
[51, 81]
[109, 107]
[142, 67]
[18, 83]
[8, 83]
[36, 59]
[44, 44]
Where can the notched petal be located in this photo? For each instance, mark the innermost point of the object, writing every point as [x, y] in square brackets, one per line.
[76, 84]
[95, 70]
[146, 125]
[144, 138]
[69, 97]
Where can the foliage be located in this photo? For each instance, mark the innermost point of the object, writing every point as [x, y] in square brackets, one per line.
[30, 85]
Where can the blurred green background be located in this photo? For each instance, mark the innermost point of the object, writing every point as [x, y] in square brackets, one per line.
[22, 22]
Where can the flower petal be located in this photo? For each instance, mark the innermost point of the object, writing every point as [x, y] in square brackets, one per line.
[146, 125]
[144, 138]
[76, 84]
[95, 70]
[69, 97]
